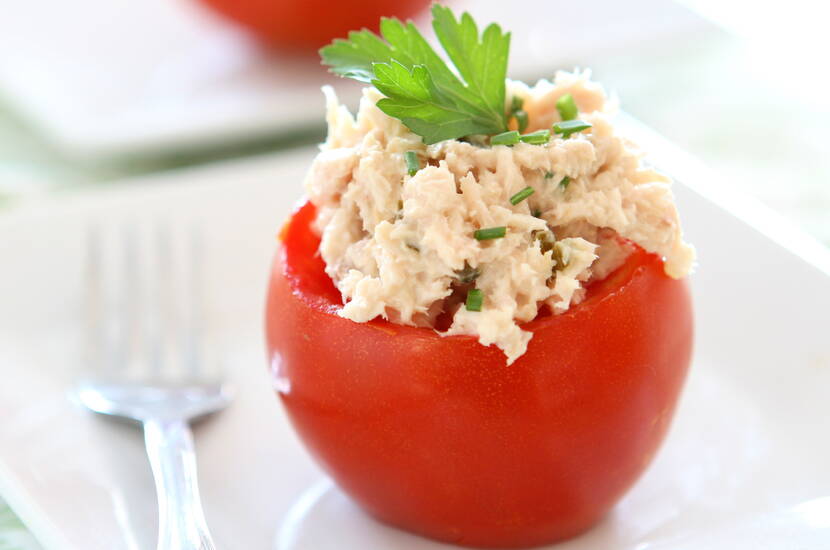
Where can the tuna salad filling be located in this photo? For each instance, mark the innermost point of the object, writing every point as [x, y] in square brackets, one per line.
[477, 239]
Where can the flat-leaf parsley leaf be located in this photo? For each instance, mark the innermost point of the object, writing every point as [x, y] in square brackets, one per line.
[420, 89]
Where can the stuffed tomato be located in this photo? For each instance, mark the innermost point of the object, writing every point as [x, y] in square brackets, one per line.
[479, 321]
[437, 436]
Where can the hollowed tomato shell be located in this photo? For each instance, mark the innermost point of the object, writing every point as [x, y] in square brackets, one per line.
[437, 435]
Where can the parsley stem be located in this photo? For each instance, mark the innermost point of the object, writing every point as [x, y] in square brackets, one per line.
[521, 195]
[505, 138]
[474, 300]
[567, 107]
[490, 233]
[568, 127]
[412, 162]
[540, 137]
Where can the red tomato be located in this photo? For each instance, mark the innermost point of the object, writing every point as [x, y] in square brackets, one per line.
[439, 436]
[310, 24]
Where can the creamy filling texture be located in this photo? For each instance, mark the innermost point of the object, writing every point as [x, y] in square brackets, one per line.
[402, 246]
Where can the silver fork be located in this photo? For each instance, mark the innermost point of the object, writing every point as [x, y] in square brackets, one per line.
[147, 366]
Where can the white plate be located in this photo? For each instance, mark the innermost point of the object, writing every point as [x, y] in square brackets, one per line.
[112, 77]
[750, 437]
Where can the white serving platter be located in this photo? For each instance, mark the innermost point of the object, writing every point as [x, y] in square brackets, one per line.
[103, 78]
[749, 440]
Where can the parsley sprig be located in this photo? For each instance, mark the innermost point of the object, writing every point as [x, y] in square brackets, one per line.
[420, 89]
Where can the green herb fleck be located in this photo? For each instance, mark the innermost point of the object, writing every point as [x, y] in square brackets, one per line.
[490, 233]
[537, 213]
[412, 162]
[468, 274]
[518, 113]
[474, 300]
[546, 239]
[505, 138]
[521, 195]
[567, 107]
[568, 127]
[561, 256]
[421, 90]
[548, 175]
[565, 182]
[540, 137]
[521, 120]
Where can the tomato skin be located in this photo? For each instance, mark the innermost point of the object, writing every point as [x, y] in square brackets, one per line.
[310, 24]
[439, 436]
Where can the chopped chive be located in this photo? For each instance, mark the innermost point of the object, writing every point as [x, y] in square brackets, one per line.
[567, 107]
[521, 195]
[412, 162]
[564, 183]
[539, 137]
[548, 175]
[568, 127]
[505, 138]
[521, 120]
[490, 233]
[474, 300]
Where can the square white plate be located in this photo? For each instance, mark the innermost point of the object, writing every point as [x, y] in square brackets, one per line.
[114, 77]
[750, 436]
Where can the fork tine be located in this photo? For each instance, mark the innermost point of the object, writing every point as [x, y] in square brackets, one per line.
[97, 342]
[145, 316]
[172, 303]
[194, 323]
[129, 300]
[161, 297]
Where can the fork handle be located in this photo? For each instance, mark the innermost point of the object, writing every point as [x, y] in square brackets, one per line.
[182, 523]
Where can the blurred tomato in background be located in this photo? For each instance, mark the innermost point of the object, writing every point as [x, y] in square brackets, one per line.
[310, 24]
